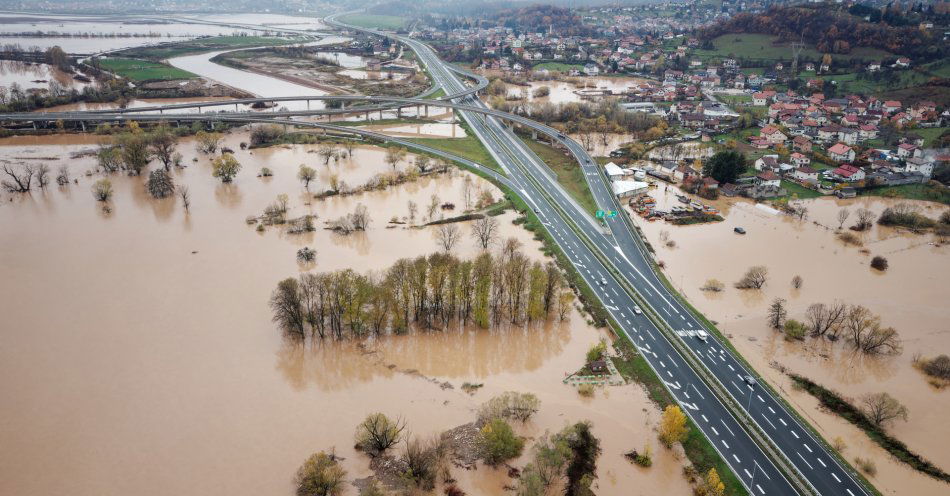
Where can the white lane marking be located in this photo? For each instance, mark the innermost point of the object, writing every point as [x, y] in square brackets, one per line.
[809, 449]
[760, 398]
[727, 427]
[849, 492]
[736, 457]
[686, 394]
[721, 358]
[821, 462]
[773, 411]
[723, 441]
[697, 391]
[749, 474]
[759, 488]
[836, 477]
[667, 312]
[730, 367]
[704, 418]
[804, 460]
[669, 374]
[714, 430]
[783, 422]
[793, 433]
[662, 364]
[769, 421]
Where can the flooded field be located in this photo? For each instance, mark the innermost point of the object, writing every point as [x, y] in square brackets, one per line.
[910, 296]
[141, 338]
[571, 90]
[30, 76]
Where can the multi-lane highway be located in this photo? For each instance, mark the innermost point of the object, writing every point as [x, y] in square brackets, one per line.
[614, 262]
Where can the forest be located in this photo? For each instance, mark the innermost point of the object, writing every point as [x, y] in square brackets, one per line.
[833, 32]
[427, 292]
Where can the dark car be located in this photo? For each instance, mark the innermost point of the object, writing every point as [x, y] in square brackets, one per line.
[739, 230]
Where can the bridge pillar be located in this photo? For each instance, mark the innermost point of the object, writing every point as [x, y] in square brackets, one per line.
[380, 114]
[235, 107]
[367, 115]
[534, 135]
[425, 108]
[399, 112]
[199, 109]
[34, 125]
[308, 104]
[83, 124]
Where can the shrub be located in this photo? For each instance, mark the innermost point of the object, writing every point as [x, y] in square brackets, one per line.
[320, 475]
[905, 215]
[596, 351]
[879, 263]
[160, 184]
[850, 238]
[102, 190]
[754, 278]
[714, 285]
[266, 172]
[866, 465]
[510, 405]
[377, 433]
[423, 460]
[586, 390]
[794, 330]
[938, 367]
[306, 254]
[498, 442]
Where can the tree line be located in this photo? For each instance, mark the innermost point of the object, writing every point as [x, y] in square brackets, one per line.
[427, 292]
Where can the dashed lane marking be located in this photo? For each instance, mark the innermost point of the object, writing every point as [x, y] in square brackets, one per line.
[769, 421]
[804, 460]
[821, 462]
[783, 422]
[836, 477]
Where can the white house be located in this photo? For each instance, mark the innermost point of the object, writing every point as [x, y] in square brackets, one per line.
[614, 171]
[921, 165]
[591, 69]
[628, 188]
[768, 179]
[841, 153]
[800, 160]
[806, 174]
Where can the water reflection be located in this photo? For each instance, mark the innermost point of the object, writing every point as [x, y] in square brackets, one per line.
[461, 354]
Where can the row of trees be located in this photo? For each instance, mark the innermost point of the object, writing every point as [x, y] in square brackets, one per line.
[426, 292]
[855, 323]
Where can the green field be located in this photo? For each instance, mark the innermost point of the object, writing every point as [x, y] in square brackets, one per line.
[568, 172]
[469, 147]
[143, 70]
[376, 21]
[760, 47]
[558, 66]
[201, 45]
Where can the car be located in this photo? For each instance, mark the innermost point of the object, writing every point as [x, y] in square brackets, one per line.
[603, 281]
[637, 310]
[749, 380]
[537, 211]
[739, 230]
[561, 136]
[702, 336]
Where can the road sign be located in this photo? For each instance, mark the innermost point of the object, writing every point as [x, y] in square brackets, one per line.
[599, 214]
[612, 213]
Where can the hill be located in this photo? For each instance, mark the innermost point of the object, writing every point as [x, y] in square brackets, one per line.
[833, 31]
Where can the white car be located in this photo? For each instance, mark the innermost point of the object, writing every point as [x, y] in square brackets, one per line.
[702, 335]
[636, 310]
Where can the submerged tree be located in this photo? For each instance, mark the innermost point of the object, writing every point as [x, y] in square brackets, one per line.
[320, 475]
[225, 167]
[160, 184]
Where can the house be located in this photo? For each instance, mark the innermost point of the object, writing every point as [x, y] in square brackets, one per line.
[867, 132]
[591, 69]
[766, 163]
[806, 174]
[614, 171]
[828, 133]
[773, 134]
[848, 136]
[628, 188]
[767, 179]
[849, 173]
[710, 183]
[874, 66]
[846, 192]
[800, 160]
[841, 153]
[760, 99]
[802, 144]
[902, 62]
[920, 166]
[891, 106]
[905, 150]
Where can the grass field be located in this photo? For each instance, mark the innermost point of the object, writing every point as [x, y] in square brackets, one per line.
[376, 21]
[201, 45]
[558, 66]
[469, 147]
[799, 191]
[568, 172]
[754, 47]
[143, 70]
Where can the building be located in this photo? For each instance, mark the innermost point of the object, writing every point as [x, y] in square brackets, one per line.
[841, 153]
[848, 173]
[800, 160]
[767, 179]
[920, 165]
[806, 174]
[628, 188]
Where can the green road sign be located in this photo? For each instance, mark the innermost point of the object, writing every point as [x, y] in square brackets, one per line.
[612, 213]
[599, 214]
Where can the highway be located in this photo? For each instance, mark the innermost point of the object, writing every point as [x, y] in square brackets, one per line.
[615, 263]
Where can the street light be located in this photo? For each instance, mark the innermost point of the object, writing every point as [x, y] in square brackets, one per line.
[748, 405]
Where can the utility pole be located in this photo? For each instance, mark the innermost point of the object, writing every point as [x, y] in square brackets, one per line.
[796, 50]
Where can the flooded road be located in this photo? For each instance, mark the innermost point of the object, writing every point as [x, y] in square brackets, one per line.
[910, 296]
[141, 338]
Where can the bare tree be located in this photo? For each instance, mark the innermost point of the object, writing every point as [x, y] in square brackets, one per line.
[424, 460]
[162, 142]
[800, 211]
[306, 175]
[777, 313]
[287, 305]
[394, 155]
[42, 175]
[882, 408]
[825, 319]
[377, 433]
[62, 176]
[754, 278]
[185, 196]
[423, 162]
[485, 231]
[843, 215]
[448, 236]
[360, 219]
[19, 181]
[349, 145]
[433, 206]
[327, 151]
[413, 208]
[865, 219]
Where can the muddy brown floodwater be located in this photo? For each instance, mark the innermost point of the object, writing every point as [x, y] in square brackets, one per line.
[137, 355]
[910, 296]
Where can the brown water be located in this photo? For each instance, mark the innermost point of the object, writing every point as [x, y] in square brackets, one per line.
[565, 92]
[138, 355]
[30, 76]
[910, 296]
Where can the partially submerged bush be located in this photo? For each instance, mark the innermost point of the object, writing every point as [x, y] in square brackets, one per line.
[306, 254]
[585, 390]
[498, 442]
[377, 433]
[879, 263]
[754, 278]
[849, 238]
[794, 330]
[320, 475]
[510, 405]
[937, 367]
[714, 285]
